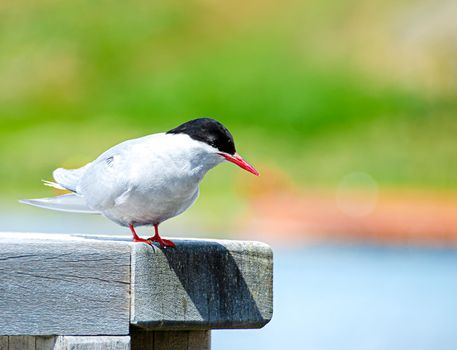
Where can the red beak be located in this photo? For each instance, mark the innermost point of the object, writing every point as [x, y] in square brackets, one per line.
[236, 159]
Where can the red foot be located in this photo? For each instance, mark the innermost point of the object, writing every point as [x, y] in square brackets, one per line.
[142, 240]
[136, 238]
[164, 243]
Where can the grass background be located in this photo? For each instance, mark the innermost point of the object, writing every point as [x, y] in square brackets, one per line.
[312, 90]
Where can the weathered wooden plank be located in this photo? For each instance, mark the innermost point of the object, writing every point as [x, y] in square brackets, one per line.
[141, 339]
[4, 342]
[65, 343]
[199, 340]
[73, 285]
[202, 284]
[49, 343]
[21, 342]
[53, 284]
[170, 340]
[96, 343]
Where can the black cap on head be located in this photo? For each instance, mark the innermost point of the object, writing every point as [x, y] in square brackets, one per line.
[209, 131]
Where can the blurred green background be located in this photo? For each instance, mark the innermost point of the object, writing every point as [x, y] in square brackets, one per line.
[312, 89]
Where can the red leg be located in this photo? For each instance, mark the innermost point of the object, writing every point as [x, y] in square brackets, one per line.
[164, 243]
[136, 238]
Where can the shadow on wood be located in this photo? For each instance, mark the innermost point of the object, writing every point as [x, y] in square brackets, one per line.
[215, 284]
[73, 285]
[170, 340]
[209, 284]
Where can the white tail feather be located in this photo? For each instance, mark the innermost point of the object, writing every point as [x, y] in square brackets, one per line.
[68, 202]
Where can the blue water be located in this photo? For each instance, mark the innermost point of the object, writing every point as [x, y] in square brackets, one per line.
[358, 297]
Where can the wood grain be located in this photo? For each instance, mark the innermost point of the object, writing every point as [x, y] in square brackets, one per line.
[96, 343]
[62, 285]
[86, 285]
[49, 343]
[199, 340]
[139, 340]
[3, 342]
[170, 340]
[202, 284]
[65, 343]
[21, 342]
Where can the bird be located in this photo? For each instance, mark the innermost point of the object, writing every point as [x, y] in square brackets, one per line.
[146, 180]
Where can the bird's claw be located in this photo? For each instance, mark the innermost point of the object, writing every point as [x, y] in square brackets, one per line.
[164, 243]
[142, 240]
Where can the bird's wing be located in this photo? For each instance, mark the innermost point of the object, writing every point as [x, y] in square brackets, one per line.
[109, 177]
[70, 179]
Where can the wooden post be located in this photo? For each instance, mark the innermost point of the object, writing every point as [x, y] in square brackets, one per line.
[84, 292]
[170, 340]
